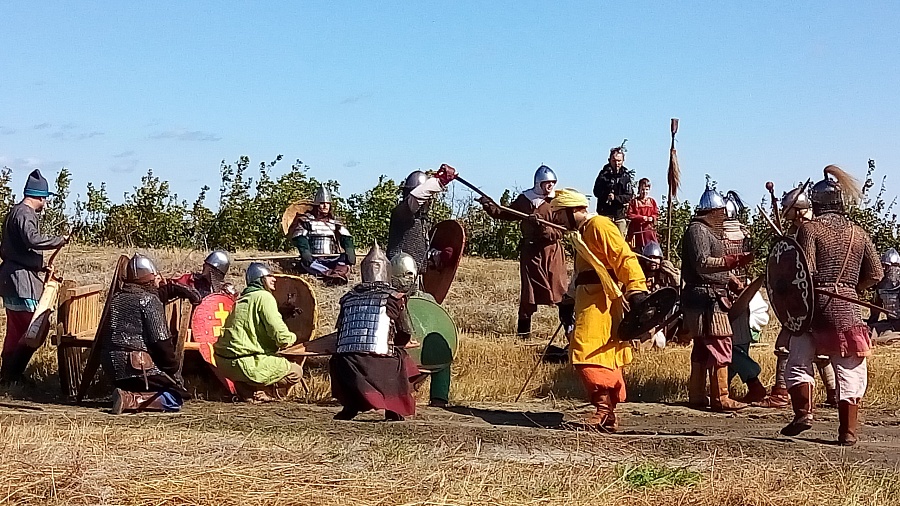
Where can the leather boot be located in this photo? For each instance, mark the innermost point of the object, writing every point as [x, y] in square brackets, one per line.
[604, 418]
[831, 399]
[697, 397]
[523, 328]
[393, 416]
[777, 398]
[756, 392]
[125, 401]
[718, 392]
[848, 413]
[801, 400]
[346, 414]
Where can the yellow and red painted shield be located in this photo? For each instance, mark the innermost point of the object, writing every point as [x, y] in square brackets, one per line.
[206, 327]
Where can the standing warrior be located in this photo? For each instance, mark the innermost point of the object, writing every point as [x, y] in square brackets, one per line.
[325, 245]
[139, 353]
[842, 259]
[20, 284]
[603, 261]
[736, 242]
[370, 369]
[254, 332]
[542, 260]
[706, 270]
[408, 229]
[887, 294]
[614, 189]
[643, 214]
[796, 209]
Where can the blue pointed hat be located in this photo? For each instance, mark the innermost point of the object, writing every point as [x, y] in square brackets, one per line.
[37, 186]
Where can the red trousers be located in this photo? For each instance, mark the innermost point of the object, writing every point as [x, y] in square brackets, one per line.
[16, 326]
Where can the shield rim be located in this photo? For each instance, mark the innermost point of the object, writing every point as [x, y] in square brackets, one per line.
[416, 353]
[805, 280]
[666, 291]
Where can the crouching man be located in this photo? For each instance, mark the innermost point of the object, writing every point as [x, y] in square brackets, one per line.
[139, 354]
[371, 370]
[253, 334]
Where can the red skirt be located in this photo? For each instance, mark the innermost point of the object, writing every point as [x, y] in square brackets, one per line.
[363, 382]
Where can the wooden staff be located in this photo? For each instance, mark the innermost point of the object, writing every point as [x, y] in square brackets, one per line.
[508, 210]
[534, 369]
[776, 216]
[674, 181]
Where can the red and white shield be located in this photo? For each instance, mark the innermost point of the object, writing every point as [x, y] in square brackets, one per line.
[206, 328]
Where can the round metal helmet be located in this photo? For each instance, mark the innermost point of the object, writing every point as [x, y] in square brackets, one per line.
[795, 199]
[711, 199]
[826, 195]
[140, 269]
[219, 261]
[652, 249]
[890, 257]
[414, 179]
[733, 205]
[375, 266]
[323, 195]
[404, 272]
[257, 270]
[544, 173]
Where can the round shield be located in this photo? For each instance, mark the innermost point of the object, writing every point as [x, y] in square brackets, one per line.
[289, 217]
[436, 333]
[649, 313]
[447, 236]
[209, 318]
[297, 303]
[789, 285]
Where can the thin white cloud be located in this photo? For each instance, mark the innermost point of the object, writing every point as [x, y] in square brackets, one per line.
[187, 135]
[124, 154]
[42, 126]
[7, 130]
[124, 166]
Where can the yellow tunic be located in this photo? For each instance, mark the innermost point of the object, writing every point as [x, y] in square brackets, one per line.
[597, 311]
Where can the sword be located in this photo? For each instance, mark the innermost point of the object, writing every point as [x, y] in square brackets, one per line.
[504, 208]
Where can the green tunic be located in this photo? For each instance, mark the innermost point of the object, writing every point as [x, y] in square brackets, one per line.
[252, 334]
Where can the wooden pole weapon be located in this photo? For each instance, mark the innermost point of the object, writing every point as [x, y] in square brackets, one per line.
[674, 179]
[508, 210]
[534, 369]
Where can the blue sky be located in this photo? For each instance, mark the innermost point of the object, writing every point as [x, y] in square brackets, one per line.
[764, 90]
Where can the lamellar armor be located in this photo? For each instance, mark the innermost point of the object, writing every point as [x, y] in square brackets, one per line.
[323, 234]
[365, 324]
[137, 323]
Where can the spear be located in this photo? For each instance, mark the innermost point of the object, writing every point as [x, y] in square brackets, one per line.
[674, 180]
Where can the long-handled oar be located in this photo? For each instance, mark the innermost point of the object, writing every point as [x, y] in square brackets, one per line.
[508, 210]
[534, 369]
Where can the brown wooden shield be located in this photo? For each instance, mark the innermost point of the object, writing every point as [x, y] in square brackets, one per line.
[295, 295]
[289, 217]
[93, 362]
[789, 285]
[448, 234]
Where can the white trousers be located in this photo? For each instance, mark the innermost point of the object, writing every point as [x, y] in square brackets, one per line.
[852, 373]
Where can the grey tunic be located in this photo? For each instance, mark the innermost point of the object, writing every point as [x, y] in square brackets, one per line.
[20, 250]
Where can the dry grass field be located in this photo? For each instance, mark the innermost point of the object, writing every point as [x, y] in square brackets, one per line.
[484, 450]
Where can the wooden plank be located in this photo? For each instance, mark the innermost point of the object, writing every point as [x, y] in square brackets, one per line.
[81, 291]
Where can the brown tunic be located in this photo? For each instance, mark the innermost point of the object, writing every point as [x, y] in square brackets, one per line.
[542, 260]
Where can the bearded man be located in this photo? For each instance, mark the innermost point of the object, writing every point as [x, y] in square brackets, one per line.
[614, 189]
[842, 259]
[542, 259]
[607, 277]
[706, 271]
[325, 245]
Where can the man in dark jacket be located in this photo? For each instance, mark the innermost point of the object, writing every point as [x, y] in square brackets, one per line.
[614, 189]
[21, 284]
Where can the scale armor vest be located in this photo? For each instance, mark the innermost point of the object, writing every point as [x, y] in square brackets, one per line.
[409, 234]
[365, 326]
[322, 234]
[132, 314]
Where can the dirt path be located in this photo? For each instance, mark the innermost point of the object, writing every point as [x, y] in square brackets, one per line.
[532, 432]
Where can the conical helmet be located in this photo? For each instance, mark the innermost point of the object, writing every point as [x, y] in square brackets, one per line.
[652, 250]
[890, 257]
[793, 201]
[711, 199]
[323, 195]
[414, 179]
[219, 261]
[140, 269]
[375, 266]
[733, 205]
[257, 270]
[543, 174]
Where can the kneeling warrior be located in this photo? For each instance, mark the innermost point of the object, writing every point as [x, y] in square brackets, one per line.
[603, 261]
[254, 332]
[887, 294]
[325, 245]
[139, 354]
[842, 259]
[542, 260]
[409, 225]
[796, 209]
[706, 270]
[371, 370]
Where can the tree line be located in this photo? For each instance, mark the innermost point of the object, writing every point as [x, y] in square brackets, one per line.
[250, 205]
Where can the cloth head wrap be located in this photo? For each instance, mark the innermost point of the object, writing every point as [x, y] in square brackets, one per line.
[568, 198]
